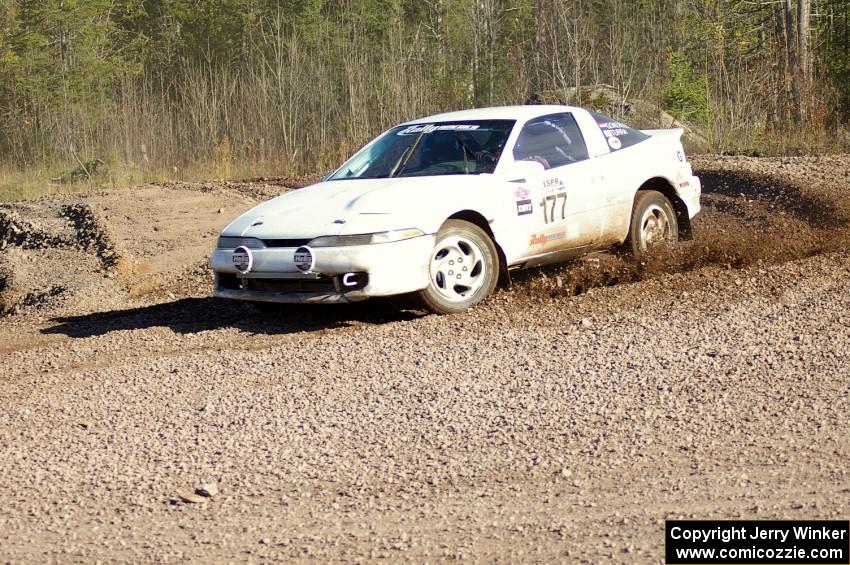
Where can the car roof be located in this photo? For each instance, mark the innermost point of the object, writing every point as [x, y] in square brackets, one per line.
[519, 113]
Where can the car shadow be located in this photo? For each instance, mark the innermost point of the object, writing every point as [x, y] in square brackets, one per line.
[193, 315]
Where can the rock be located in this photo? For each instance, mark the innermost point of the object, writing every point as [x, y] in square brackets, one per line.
[586, 323]
[207, 490]
[191, 497]
[566, 473]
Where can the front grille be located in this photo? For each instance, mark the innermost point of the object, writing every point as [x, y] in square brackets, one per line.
[226, 242]
[323, 284]
[285, 242]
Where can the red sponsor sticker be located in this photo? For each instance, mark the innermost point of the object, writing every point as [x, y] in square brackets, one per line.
[544, 238]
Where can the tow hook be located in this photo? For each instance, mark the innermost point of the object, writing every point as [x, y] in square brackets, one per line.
[351, 281]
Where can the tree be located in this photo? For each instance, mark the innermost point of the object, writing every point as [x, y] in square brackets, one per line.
[64, 57]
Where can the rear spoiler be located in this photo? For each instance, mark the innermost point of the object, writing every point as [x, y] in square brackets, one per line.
[678, 132]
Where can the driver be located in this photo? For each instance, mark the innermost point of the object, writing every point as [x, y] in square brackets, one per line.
[489, 151]
[545, 142]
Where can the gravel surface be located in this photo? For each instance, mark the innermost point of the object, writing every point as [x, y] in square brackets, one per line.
[562, 420]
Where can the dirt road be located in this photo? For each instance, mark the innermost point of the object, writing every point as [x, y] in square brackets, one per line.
[563, 420]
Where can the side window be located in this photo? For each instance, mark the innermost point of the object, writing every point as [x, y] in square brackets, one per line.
[618, 135]
[553, 140]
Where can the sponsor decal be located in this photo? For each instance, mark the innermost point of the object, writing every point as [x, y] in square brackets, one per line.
[304, 259]
[428, 128]
[544, 238]
[242, 259]
[554, 182]
[521, 193]
[613, 131]
[524, 207]
[685, 184]
[680, 156]
[612, 125]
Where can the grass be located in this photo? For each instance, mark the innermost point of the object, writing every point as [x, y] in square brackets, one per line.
[33, 182]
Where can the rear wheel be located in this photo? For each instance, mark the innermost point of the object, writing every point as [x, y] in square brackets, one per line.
[653, 224]
[464, 268]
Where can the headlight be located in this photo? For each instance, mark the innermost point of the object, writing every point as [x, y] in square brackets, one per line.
[365, 238]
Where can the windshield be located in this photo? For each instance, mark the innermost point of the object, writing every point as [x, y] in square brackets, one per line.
[441, 148]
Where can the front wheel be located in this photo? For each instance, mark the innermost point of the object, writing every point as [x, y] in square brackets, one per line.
[463, 268]
[653, 224]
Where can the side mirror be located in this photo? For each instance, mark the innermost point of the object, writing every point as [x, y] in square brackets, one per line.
[523, 170]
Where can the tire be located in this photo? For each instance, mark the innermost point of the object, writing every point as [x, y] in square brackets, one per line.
[653, 224]
[464, 268]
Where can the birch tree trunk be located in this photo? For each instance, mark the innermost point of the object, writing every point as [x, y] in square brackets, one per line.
[803, 56]
[789, 41]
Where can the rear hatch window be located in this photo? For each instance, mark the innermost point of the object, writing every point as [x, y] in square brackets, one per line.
[617, 134]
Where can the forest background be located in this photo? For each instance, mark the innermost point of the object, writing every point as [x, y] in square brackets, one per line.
[125, 91]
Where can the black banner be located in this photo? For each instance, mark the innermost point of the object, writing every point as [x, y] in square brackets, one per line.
[761, 542]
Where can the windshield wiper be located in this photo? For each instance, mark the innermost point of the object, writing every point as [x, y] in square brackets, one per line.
[405, 157]
[466, 150]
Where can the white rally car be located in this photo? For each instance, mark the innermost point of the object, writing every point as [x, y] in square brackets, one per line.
[443, 207]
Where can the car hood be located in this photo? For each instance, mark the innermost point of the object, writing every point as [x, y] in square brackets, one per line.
[338, 207]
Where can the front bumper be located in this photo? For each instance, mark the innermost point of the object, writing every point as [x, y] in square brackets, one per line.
[387, 269]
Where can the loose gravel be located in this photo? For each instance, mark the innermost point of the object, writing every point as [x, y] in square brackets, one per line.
[559, 421]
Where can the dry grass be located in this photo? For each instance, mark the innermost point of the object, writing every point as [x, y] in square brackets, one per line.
[24, 184]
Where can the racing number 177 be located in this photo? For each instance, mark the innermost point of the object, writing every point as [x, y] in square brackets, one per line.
[549, 211]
